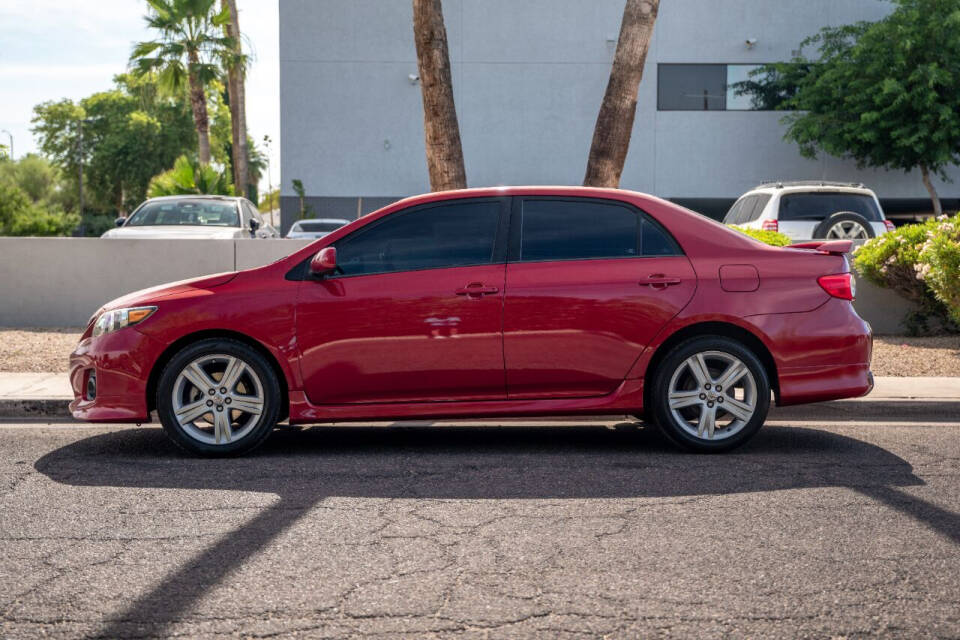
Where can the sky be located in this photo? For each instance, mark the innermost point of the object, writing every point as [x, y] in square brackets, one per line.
[53, 49]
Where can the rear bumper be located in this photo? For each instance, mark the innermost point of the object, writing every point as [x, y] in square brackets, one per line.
[121, 362]
[820, 355]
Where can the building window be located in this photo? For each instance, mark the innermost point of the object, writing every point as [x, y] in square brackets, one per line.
[703, 87]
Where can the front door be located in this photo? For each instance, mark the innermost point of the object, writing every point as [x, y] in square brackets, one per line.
[414, 312]
[589, 285]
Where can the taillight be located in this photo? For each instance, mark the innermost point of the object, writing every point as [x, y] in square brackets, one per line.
[889, 225]
[770, 225]
[841, 285]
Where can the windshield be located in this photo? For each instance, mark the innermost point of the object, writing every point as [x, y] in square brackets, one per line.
[822, 205]
[315, 226]
[213, 213]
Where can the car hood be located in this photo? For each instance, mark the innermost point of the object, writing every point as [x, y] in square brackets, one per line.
[171, 231]
[151, 294]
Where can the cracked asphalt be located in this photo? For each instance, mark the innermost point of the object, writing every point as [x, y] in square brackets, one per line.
[555, 530]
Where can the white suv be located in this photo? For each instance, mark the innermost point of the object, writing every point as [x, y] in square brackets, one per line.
[811, 210]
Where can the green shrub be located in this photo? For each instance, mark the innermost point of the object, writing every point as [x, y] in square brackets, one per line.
[893, 261]
[939, 264]
[21, 217]
[767, 237]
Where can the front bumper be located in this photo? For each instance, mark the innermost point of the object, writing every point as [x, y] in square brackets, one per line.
[121, 363]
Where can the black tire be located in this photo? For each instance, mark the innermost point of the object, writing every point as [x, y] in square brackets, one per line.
[256, 433]
[674, 363]
[843, 216]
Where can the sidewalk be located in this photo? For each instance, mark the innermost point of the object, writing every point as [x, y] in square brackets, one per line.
[47, 395]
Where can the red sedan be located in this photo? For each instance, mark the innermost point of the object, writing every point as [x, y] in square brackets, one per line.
[527, 301]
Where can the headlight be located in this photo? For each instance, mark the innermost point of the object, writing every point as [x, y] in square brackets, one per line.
[120, 318]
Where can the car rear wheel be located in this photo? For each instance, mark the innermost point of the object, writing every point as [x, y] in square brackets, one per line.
[218, 397]
[710, 394]
[845, 225]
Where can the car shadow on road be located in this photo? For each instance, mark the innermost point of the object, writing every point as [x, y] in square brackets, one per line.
[304, 466]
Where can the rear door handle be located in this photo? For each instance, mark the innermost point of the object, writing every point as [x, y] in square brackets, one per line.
[476, 289]
[660, 281]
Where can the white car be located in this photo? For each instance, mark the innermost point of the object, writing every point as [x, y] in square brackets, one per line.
[208, 217]
[811, 210]
[315, 228]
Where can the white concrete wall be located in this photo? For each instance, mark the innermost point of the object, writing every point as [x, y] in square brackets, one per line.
[528, 79]
[60, 282]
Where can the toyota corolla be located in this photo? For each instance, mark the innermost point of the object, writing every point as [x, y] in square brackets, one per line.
[525, 301]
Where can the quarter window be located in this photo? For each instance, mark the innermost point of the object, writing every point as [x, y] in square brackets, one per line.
[435, 237]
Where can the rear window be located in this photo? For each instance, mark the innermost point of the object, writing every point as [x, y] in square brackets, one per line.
[819, 206]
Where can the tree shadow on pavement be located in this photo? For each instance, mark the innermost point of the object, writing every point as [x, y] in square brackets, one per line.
[303, 467]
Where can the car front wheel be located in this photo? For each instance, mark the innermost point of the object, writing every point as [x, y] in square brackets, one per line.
[710, 394]
[218, 397]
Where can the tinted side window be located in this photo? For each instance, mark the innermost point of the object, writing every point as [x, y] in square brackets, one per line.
[254, 213]
[759, 205]
[734, 214]
[577, 230]
[818, 206]
[446, 235]
[656, 241]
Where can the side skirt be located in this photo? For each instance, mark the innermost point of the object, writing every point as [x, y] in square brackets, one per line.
[627, 399]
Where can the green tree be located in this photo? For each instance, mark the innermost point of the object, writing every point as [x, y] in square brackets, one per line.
[186, 54]
[190, 178]
[885, 94]
[129, 135]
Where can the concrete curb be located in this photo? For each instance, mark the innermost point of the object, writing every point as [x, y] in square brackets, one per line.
[34, 408]
[837, 411]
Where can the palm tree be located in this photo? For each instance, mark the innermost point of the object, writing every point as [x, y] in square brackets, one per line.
[444, 152]
[611, 135]
[236, 63]
[185, 53]
[188, 178]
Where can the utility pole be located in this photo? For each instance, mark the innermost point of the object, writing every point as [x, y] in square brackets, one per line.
[266, 144]
[9, 135]
[80, 165]
[80, 124]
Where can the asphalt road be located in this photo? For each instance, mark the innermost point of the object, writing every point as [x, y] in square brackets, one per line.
[812, 530]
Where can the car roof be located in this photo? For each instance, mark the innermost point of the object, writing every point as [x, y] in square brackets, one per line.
[810, 187]
[343, 220]
[195, 197]
[529, 190]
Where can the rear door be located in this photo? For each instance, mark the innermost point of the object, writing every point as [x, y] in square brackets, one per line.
[589, 283]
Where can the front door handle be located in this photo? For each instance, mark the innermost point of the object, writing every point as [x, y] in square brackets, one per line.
[660, 281]
[476, 290]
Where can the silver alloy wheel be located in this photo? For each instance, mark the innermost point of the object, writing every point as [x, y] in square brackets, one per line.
[712, 395]
[848, 230]
[217, 399]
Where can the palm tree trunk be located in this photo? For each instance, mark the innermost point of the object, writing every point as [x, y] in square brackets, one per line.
[441, 130]
[928, 183]
[198, 103]
[238, 108]
[611, 135]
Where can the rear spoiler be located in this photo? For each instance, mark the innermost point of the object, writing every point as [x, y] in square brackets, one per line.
[833, 247]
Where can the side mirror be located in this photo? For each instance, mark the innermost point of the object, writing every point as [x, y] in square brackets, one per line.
[324, 262]
[254, 225]
[119, 221]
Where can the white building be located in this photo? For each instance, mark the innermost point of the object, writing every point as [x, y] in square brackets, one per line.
[528, 79]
